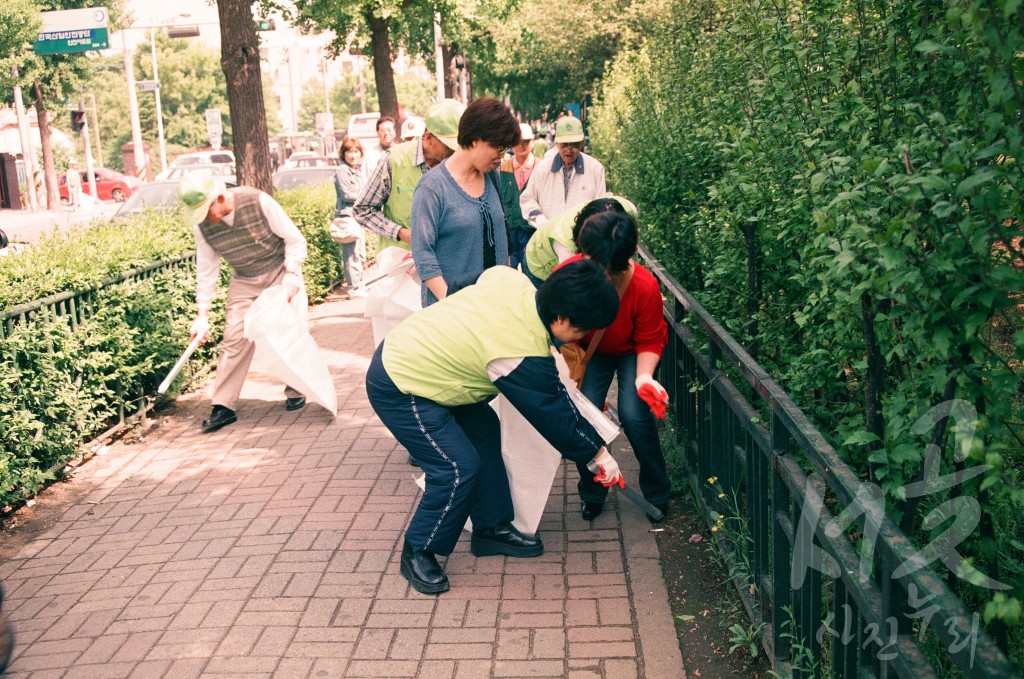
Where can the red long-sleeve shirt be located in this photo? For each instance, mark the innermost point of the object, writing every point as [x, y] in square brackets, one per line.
[640, 324]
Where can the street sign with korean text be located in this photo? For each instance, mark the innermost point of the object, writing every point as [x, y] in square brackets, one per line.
[148, 85]
[73, 30]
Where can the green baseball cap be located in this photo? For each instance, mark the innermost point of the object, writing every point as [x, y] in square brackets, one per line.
[568, 130]
[197, 191]
[443, 121]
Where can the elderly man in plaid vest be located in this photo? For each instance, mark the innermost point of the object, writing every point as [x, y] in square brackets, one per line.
[251, 231]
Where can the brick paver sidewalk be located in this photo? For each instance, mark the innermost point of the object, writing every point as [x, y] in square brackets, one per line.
[270, 549]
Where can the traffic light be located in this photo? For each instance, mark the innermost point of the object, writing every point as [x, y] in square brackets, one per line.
[77, 121]
[264, 24]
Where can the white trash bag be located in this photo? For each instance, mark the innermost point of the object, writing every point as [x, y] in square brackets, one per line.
[394, 296]
[530, 461]
[286, 349]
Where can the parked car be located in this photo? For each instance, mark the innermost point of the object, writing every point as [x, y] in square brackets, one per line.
[161, 195]
[287, 178]
[222, 157]
[110, 185]
[225, 171]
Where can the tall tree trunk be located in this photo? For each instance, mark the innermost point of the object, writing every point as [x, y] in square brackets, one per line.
[448, 52]
[240, 61]
[383, 73]
[49, 168]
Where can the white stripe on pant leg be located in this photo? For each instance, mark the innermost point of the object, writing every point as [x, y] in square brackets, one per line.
[433, 444]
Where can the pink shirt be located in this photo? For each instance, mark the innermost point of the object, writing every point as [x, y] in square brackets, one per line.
[522, 172]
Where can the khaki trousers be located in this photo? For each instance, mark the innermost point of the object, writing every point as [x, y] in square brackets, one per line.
[235, 351]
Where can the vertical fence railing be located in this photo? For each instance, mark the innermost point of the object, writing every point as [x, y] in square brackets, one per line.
[78, 305]
[822, 603]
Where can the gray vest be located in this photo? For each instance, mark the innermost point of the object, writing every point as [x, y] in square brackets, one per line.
[249, 246]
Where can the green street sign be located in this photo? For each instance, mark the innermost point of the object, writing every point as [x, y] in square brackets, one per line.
[73, 30]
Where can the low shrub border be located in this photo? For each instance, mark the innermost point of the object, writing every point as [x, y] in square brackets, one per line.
[62, 381]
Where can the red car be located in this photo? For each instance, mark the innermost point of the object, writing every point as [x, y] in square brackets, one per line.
[110, 185]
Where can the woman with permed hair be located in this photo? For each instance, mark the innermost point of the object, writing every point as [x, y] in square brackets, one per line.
[458, 227]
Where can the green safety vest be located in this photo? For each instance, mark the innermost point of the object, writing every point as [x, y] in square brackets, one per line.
[405, 175]
[540, 250]
[441, 352]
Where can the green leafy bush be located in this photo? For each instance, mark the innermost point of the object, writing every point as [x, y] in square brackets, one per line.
[839, 182]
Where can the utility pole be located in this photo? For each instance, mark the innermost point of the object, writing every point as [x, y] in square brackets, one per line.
[90, 170]
[27, 155]
[159, 109]
[133, 108]
[96, 128]
[438, 56]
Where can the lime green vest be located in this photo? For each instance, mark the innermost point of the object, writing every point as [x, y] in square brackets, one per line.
[405, 175]
[441, 352]
[540, 251]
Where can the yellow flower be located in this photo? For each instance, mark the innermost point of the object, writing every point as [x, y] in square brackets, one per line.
[712, 479]
[721, 495]
[714, 529]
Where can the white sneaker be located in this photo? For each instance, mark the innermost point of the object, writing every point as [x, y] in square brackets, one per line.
[357, 292]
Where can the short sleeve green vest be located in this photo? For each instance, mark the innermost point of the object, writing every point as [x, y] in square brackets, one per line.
[540, 250]
[405, 175]
[442, 351]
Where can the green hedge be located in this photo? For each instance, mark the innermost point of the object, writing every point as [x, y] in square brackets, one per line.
[58, 386]
[838, 181]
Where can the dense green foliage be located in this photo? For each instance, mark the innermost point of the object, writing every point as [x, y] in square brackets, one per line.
[415, 94]
[58, 385]
[839, 182]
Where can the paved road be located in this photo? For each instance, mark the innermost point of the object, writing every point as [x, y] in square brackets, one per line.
[270, 549]
[25, 226]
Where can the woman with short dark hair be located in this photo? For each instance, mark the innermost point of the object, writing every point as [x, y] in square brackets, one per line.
[458, 227]
[348, 184]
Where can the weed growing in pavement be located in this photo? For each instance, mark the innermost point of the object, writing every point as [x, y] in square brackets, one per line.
[730, 527]
[802, 660]
[747, 638]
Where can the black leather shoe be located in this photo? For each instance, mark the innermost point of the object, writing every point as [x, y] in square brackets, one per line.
[295, 403]
[422, 571]
[591, 510]
[663, 508]
[413, 462]
[219, 417]
[504, 539]
[6, 638]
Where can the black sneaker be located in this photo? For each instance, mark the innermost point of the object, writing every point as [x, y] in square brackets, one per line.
[219, 417]
[294, 403]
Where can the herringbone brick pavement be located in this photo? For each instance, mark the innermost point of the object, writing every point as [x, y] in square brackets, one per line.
[270, 549]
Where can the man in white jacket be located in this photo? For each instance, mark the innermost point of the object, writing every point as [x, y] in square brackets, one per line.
[565, 177]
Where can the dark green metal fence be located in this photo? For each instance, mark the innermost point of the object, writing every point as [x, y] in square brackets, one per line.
[825, 606]
[77, 305]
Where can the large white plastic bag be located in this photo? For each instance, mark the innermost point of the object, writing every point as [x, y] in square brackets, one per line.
[395, 297]
[530, 461]
[286, 349]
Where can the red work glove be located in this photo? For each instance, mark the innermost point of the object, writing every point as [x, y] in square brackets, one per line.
[606, 470]
[653, 394]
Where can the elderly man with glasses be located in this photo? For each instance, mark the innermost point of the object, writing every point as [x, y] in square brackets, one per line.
[565, 177]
